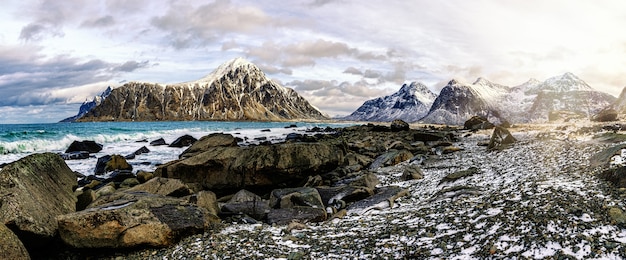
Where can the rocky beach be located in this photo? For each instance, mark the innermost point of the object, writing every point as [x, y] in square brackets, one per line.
[367, 191]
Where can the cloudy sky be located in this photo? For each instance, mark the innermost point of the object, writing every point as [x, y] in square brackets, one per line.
[336, 53]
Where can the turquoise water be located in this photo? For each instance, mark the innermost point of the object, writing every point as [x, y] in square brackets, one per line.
[17, 141]
[30, 138]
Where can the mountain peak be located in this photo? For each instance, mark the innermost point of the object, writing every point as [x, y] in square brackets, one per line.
[229, 66]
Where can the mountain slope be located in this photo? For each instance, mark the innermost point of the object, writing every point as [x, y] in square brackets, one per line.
[88, 106]
[237, 90]
[458, 102]
[410, 103]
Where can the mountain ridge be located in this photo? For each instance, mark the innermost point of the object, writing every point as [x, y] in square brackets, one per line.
[235, 91]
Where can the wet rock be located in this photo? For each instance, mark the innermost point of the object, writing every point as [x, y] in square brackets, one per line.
[384, 198]
[223, 169]
[110, 163]
[399, 125]
[164, 187]
[33, 191]
[412, 172]
[478, 123]
[285, 216]
[391, 158]
[132, 220]
[158, 142]
[10, 245]
[185, 140]
[500, 138]
[460, 174]
[139, 151]
[86, 146]
[605, 115]
[292, 197]
[75, 155]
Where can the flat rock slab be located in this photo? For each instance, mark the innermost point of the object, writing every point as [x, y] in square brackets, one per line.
[134, 219]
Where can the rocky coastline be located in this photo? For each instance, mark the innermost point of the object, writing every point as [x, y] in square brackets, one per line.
[377, 190]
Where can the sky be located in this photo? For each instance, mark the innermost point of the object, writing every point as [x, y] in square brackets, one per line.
[56, 54]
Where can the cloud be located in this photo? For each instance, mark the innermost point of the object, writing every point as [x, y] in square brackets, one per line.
[38, 31]
[104, 21]
[188, 26]
[30, 78]
[353, 71]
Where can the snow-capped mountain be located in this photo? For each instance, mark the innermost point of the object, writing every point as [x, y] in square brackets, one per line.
[89, 105]
[236, 90]
[410, 103]
[459, 101]
[620, 103]
[563, 83]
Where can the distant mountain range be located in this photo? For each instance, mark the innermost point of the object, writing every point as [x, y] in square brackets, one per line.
[236, 91]
[533, 101]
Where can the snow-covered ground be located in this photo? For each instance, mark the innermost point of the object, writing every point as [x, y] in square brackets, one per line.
[536, 199]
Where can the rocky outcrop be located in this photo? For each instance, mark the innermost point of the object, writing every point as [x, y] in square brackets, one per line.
[500, 138]
[255, 167]
[185, 140]
[132, 219]
[206, 142]
[10, 245]
[109, 163]
[606, 115]
[33, 191]
[237, 90]
[478, 122]
[87, 146]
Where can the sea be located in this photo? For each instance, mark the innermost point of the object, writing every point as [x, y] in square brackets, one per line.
[123, 138]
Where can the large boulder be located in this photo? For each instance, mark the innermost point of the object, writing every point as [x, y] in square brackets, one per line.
[605, 115]
[301, 204]
[384, 198]
[185, 140]
[246, 203]
[110, 163]
[500, 138]
[10, 245]
[206, 142]
[86, 146]
[391, 158]
[224, 169]
[477, 123]
[33, 191]
[132, 219]
[399, 125]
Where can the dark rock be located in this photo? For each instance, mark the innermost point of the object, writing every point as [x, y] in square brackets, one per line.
[120, 176]
[384, 198]
[293, 137]
[291, 126]
[292, 197]
[246, 203]
[266, 130]
[478, 123]
[500, 138]
[75, 155]
[224, 169]
[303, 214]
[86, 197]
[33, 191]
[164, 187]
[128, 183]
[110, 163]
[87, 146]
[134, 219]
[617, 216]
[615, 175]
[185, 140]
[460, 174]
[139, 151]
[206, 142]
[399, 125]
[158, 142]
[605, 115]
[391, 158]
[10, 245]
[426, 136]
